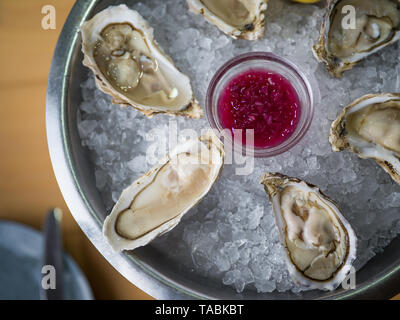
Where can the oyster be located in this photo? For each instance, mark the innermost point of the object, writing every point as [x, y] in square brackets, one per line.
[237, 18]
[377, 25]
[370, 127]
[155, 203]
[320, 244]
[128, 64]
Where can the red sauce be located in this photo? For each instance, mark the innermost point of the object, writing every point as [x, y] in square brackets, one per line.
[263, 101]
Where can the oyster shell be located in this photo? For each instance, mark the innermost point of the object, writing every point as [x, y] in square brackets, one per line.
[370, 127]
[237, 18]
[319, 243]
[377, 26]
[155, 203]
[119, 47]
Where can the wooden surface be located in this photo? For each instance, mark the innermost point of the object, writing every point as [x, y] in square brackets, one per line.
[27, 185]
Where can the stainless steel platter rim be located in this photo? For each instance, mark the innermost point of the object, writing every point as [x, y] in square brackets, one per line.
[140, 274]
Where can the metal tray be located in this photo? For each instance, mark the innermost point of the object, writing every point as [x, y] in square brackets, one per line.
[146, 267]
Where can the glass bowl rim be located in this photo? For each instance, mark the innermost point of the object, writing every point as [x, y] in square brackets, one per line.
[308, 110]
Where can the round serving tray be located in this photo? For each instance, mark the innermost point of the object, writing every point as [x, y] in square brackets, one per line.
[379, 279]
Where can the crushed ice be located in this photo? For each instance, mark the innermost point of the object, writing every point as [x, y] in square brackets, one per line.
[230, 236]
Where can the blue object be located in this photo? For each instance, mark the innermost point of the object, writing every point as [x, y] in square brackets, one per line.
[21, 254]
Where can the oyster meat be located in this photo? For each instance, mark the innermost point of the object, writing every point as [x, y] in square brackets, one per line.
[341, 45]
[237, 18]
[119, 47]
[319, 243]
[155, 203]
[370, 127]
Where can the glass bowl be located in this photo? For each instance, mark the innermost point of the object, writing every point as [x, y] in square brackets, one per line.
[266, 61]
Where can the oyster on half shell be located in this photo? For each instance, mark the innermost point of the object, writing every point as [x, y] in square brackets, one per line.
[128, 64]
[155, 203]
[320, 245]
[341, 45]
[370, 127]
[237, 18]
